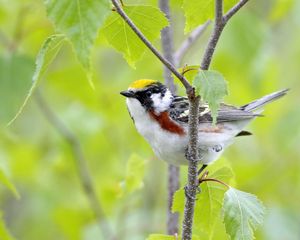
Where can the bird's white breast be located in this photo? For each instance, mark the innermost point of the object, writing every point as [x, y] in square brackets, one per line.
[166, 145]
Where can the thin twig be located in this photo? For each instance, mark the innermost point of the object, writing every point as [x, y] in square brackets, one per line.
[184, 81]
[80, 162]
[218, 28]
[187, 43]
[234, 9]
[173, 171]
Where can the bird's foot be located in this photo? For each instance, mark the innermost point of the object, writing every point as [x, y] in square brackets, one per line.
[187, 192]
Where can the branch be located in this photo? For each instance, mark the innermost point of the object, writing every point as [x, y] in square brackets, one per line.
[167, 45]
[192, 38]
[234, 10]
[173, 171]
[220, 22]
[184, 81]
[80, 162]
[193, 159]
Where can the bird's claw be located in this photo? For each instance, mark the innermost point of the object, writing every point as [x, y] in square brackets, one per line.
[188, 194]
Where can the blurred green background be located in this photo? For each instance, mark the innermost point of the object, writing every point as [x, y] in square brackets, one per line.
[258, 53]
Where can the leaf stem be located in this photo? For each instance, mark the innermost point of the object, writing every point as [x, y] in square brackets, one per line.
[214, 180]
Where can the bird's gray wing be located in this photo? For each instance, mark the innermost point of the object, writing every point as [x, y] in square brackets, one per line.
[179, 111]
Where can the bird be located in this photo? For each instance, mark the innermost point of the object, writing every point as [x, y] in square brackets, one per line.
[162, 119]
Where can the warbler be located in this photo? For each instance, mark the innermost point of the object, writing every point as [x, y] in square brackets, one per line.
[162, 119]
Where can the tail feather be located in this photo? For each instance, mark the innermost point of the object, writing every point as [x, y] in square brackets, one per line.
[264, 100]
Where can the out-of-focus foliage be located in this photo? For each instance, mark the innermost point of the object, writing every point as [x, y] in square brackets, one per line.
[206, 7]
[258, 53]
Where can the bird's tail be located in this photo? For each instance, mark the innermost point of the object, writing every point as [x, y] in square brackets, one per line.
[263, 101]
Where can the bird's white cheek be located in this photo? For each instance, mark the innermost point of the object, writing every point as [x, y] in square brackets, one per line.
[161, 104]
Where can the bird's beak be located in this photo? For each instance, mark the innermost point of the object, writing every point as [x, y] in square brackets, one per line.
[128, 93]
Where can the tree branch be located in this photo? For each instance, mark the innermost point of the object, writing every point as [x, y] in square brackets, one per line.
[184, 81]
[173, 171]
[187, 43]
[193, 159]
[167, 45]
[80, 162]
[220, 22]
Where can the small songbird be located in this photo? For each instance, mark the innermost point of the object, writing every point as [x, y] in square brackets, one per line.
[162, 119]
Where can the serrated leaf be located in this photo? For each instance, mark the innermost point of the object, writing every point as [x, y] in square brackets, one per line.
[79, 20]
[15, 80]
[46, 55]
[243, 213]
[149, 20]
[197, 12]
[168, 237]
[7, 183]
[212, 88]
[209, 203]
[135, 172]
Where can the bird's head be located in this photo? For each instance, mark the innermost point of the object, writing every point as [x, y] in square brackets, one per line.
[150, 94]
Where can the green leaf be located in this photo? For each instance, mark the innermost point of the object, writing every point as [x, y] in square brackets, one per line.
[46, 55]
[280, 9]
[6, 182]
[135, 172]
[243, 213]
[178, 201]
[149, 20]
[15, 80]
[197, 12]
[168, 237]
[212, 87]
[79, 20]
[4, 233]
[209, 203]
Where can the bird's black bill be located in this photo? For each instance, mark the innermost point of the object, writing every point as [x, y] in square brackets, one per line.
[128, 94]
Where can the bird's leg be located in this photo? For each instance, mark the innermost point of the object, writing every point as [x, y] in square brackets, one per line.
[187, 192]
[186, 188]
[201, 169]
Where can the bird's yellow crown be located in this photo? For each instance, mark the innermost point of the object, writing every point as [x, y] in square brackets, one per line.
[142, 83]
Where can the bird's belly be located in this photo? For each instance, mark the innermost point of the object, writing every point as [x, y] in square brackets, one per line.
[166, 145]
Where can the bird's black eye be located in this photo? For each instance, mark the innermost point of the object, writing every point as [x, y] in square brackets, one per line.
[148, 93]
